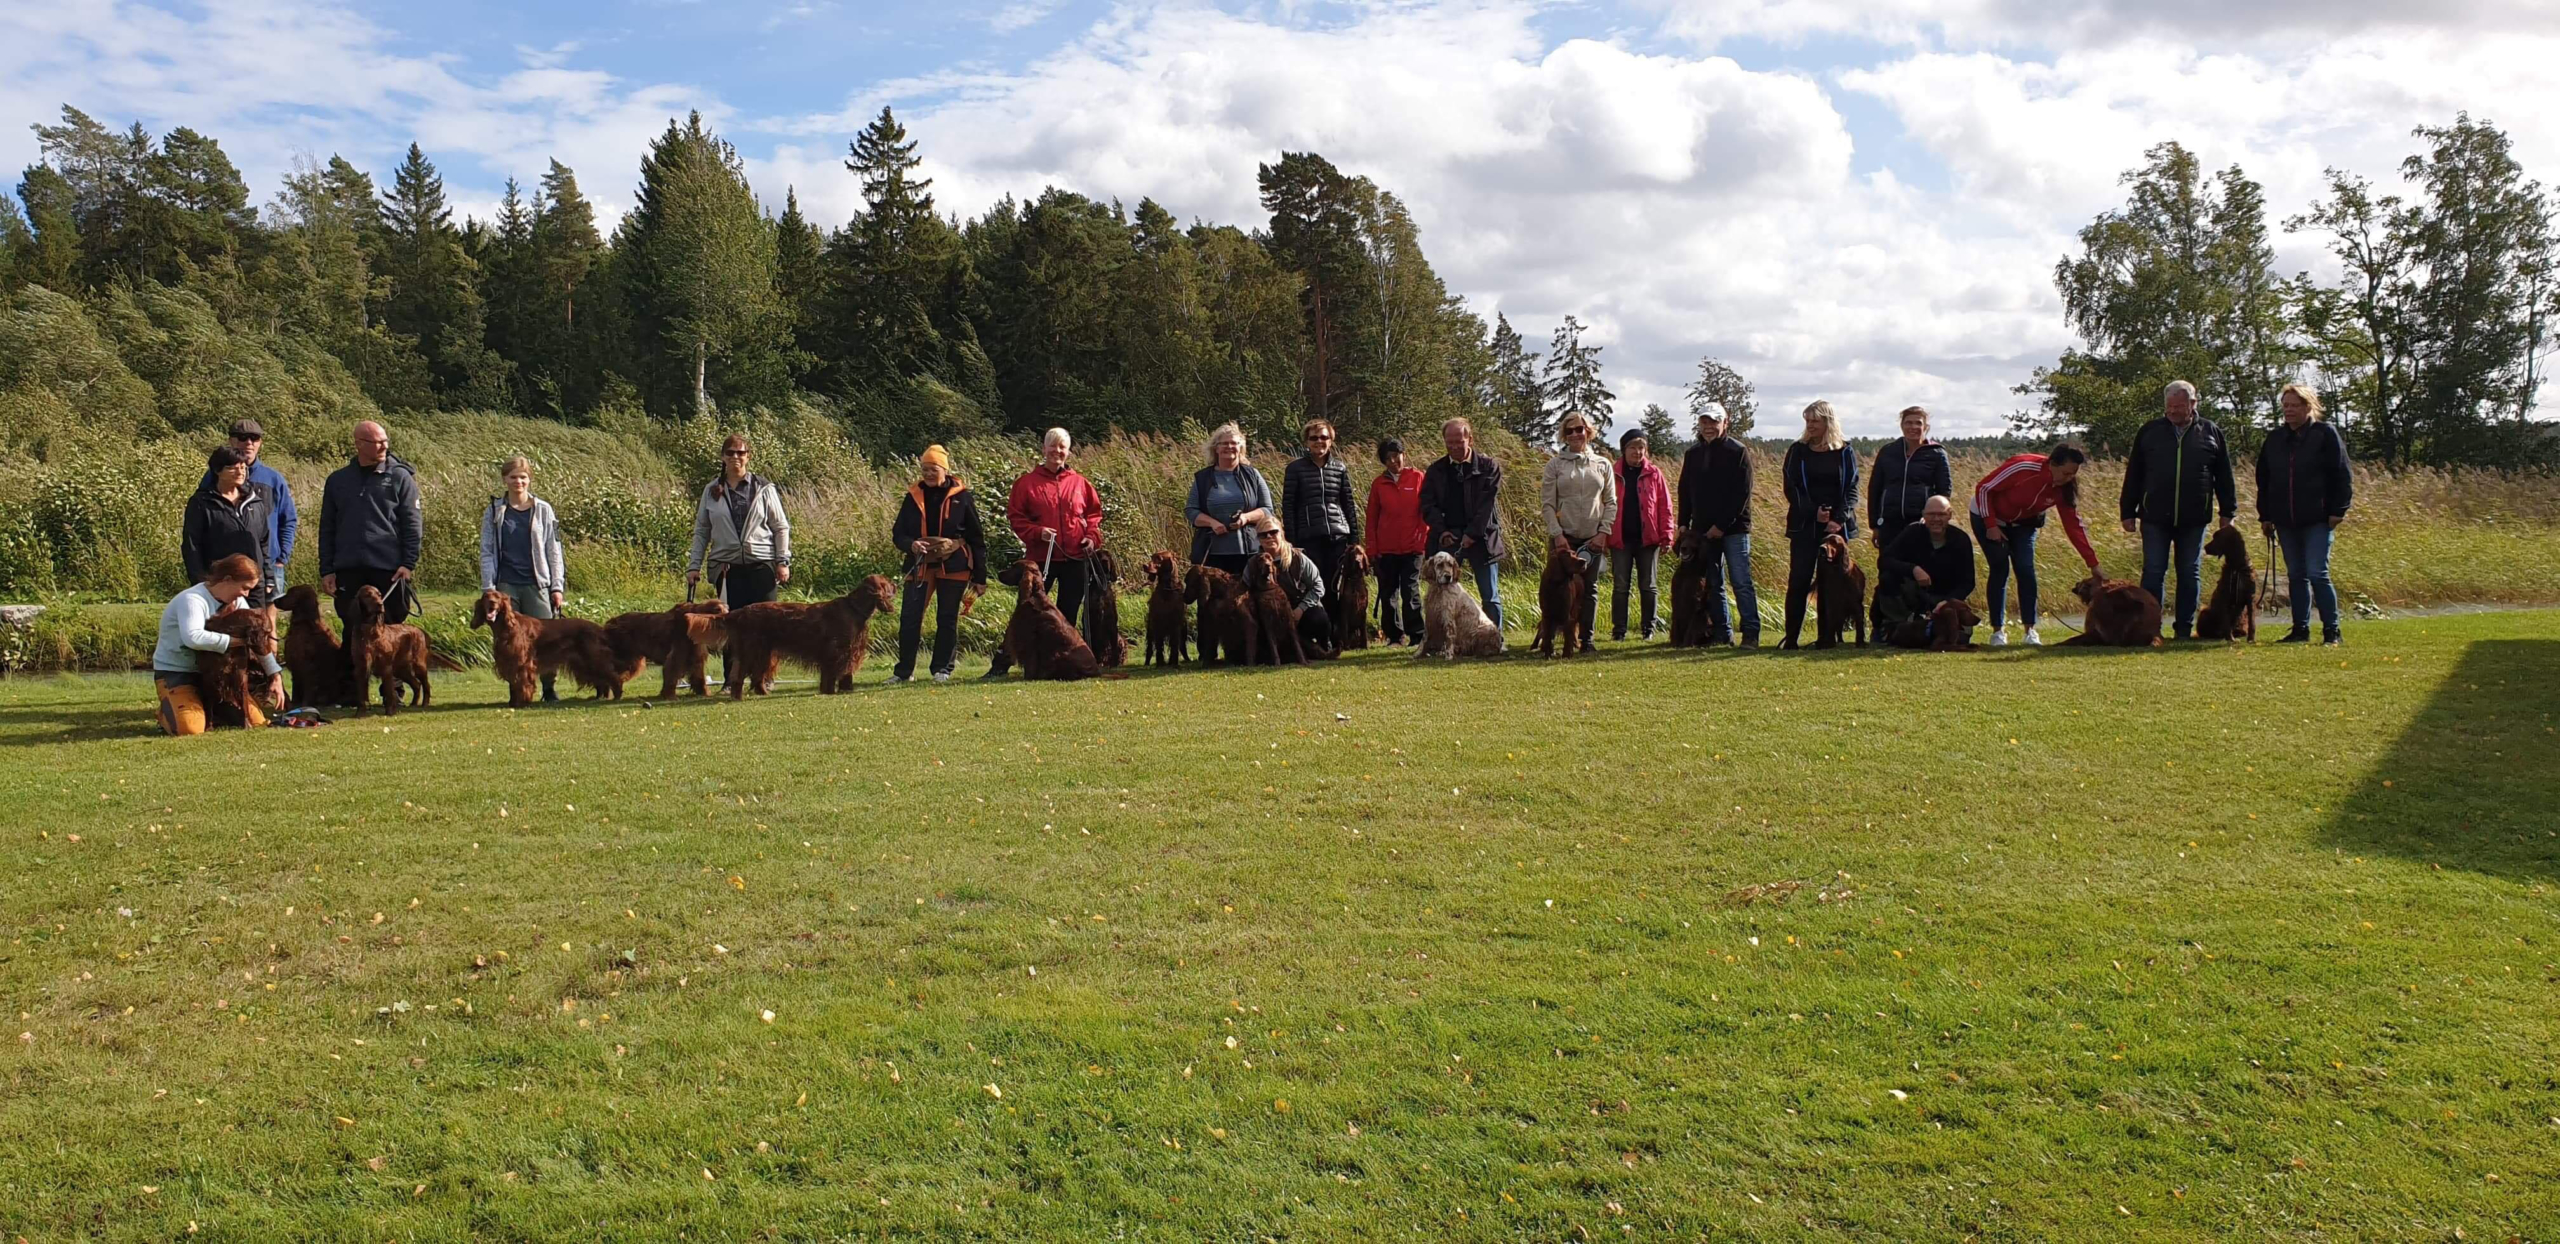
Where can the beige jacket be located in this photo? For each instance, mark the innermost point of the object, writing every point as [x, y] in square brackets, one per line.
[1577, 495]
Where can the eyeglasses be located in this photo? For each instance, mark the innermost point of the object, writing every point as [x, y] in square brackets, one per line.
[733, 453]
[1319, 436]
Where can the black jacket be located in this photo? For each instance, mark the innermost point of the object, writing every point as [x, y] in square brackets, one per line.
[2303, 476]
[369, 518]
[1464, 500]
[215, 529]
[1715, 486]
[1904, 480]
[956, 516]
[1814, 478]
[1950, 567]
[2173, 477]
[1316, 502]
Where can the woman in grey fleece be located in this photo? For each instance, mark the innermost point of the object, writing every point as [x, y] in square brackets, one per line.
[1578, 497]
[520, 551]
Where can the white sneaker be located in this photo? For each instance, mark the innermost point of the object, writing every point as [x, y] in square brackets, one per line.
[895, 679]
[1999, 639]
[943, 677]
[2034, 640]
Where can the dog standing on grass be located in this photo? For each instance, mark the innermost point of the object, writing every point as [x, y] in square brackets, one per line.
[394, 652]
[831, 637]
[527, 649]
[1560, 600]
[1692, 614]
[678, 639]
[1453, 624]
[2231, 612]
[2121, 614]
[1168, 623]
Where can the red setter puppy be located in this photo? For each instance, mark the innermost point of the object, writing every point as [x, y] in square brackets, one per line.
[1039, 638]
[228, 678]
[678, 639]
[1226, 622]
[1692, 614]
[1273, 620]
[831, 638]
[1947, 628]
[1560, 600]
[1102, 610]
[393, 652]
[1839, 595]
[1349, 602]
[528, 648]
[2232, 611]
[2121, 614]
[1168, 623]
[311, 650]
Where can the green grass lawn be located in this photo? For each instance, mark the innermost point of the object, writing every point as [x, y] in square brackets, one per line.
[2206, 941]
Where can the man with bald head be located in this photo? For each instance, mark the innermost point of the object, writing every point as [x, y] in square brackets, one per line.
[369, 525]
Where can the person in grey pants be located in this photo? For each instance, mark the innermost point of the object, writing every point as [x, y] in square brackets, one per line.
[520, 551]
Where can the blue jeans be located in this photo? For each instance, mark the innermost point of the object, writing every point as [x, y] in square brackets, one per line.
[2306, 568]
[1736, 562]
[2157, 539]
[1488, 582]
[2016, 553]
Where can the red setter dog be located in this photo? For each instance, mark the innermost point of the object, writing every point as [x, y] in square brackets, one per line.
[1102, 610]
[1039, 638]
[227, 677]
[1560, 600]
[1349, 603]
[528, 648]
[678, 639]
[1947, 628]
[1273, 619]
[311, 650]
[1168, 623]
[1226, 622]
[831, 637]
[394, 652]
[2232, 611]
[1693, 616]
[1839, 595]
[2121, 614]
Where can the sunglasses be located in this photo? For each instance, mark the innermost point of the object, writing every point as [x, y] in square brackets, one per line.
[733, 453]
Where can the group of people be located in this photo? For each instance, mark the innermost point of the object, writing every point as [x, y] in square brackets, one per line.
[240, 527]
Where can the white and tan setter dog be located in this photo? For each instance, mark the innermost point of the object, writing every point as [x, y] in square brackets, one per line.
[1453, 624]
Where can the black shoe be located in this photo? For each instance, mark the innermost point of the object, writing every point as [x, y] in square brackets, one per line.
[2330, 640]
[2185, 633]
[1588, 647]
[1717, 640]
[1617, 637]
[2298, 635]
[1787, 645]
[1750, 643]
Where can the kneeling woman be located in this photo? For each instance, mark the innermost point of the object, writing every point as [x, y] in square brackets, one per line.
[182, 705]
[1298, 577]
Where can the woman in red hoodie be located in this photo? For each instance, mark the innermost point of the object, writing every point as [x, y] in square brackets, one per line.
[1643, 528]
[1396, 538]
[2008, 508]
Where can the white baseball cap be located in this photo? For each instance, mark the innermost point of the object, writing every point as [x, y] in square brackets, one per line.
[1712, 410]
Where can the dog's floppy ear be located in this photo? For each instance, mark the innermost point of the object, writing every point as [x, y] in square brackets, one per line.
[1011, 576]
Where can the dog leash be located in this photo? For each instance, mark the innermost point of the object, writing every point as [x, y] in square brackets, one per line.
[1044, 557]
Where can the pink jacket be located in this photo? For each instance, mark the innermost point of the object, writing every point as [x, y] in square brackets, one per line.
[1653, 498]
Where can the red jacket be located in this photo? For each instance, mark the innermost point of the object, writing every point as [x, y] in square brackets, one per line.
[1060, 500]
[2019, 490]
[1395, 515]
[1653, 499]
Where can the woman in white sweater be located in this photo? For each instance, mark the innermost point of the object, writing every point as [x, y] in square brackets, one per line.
[1578, 497]
[183, 635]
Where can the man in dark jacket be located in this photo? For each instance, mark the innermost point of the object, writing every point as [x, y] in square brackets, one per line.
[1318, 512]
[282, 520]
[1931, 561]
[370, 527]
[2179, 468]
[1461, 505]
[1907, 473]
[2304, 489]
[1715, 522]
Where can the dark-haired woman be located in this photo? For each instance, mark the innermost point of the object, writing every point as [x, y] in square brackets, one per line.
[740, 535]
[228, 515]
[938, 508]
[2008, 508]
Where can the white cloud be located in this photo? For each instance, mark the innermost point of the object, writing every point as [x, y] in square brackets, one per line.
[1013, 17]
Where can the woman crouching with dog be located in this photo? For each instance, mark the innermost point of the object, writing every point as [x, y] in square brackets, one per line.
[183, 707]
[1299, 578]
[946, 550]
[520, 552]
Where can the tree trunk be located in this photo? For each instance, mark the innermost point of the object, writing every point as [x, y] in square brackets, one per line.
[701, 364]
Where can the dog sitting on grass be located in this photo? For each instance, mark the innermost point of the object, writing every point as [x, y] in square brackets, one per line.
[1349, 601]
[1839, 595]
[1038, 638]
[1273, 619]
[1168, 623]
[1453, 624]
[1947, 628]
[312, 654]
[1692, 612]
[1226, 621]
[2231, 612]
[1560, 600]
[1102, 610]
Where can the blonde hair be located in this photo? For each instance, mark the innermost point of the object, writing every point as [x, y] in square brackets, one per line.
[1460, 422]
[1576, 420]
[1225, 432]
[2309, 396]
[1831, 438]
[511, 465]
[1267, 525]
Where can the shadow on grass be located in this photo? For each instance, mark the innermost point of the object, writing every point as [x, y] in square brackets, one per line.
[2474, 782]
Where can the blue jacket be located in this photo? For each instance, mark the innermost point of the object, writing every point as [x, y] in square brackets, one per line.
[282, 522]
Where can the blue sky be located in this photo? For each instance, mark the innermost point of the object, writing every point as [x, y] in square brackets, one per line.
[1860, 200]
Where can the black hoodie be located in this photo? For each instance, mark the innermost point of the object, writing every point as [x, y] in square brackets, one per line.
[1715, 486]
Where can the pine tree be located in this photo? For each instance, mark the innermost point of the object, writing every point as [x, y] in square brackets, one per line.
[1573, 378]
[1516, 397]
[1721, 384]
[17, 244]
[565, 241]
[701, 263]
[1661, 433]
[1315, 230]
[434, 294]
[53, 259]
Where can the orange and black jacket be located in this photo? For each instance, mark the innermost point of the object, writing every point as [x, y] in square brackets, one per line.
[951, 510]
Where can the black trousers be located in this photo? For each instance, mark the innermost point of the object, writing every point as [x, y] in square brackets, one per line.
[1315, 630]
[741, 586]
[1400, 597]
[1804, 556]
[1066, 586]
[1232, 563]
[1631, 568]
[1327, 555]
[946, 595]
